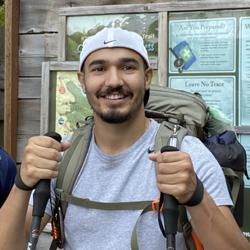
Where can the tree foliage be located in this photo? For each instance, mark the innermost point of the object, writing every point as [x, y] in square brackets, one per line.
[1, 15]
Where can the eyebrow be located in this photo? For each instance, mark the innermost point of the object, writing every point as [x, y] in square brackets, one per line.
[129, 59]
[96, 62]
[121, 60]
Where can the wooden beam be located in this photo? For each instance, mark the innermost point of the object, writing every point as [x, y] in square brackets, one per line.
[11, 75]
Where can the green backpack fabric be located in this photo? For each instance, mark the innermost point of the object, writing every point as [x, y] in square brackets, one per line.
[180, 113]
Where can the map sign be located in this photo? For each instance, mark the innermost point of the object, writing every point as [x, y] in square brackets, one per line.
[71, 105]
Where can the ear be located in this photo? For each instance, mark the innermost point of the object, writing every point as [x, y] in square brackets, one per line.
[148, 77]
[80, 76]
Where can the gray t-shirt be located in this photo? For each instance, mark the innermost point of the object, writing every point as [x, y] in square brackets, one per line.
[130, 176]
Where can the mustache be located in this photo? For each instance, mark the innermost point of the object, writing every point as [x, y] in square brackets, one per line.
[121, 90]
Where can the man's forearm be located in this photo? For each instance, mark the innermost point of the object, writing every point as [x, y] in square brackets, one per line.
[13, 226]
[215, 226]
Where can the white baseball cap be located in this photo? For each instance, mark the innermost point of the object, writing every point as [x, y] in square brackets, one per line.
[110, 38]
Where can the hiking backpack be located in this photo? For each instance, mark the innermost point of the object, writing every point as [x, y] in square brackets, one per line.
[179, 113]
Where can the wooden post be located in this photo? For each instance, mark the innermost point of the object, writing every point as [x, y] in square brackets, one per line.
[11, 75]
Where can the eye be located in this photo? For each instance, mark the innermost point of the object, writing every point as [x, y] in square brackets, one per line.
[128, 67]
[97, 69]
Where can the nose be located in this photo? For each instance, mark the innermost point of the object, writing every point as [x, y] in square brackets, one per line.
[114, 78]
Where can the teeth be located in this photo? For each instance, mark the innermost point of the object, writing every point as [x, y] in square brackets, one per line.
[114, 97]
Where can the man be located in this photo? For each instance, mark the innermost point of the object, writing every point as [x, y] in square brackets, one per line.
[7, 174]
[115, 74]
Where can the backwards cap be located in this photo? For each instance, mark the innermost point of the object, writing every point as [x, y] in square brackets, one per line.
[111, 38]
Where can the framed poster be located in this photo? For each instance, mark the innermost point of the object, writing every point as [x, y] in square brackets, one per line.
[76, 24]
[205, 45]
[244, 72]
[78, 28]
[212, 89]
[63, 103]
[75, 28]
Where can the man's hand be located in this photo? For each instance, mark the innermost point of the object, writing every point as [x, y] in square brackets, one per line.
[40, 159]
[175, 174]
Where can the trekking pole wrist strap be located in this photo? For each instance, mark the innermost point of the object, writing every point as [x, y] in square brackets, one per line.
[20, 184]
[197, 196]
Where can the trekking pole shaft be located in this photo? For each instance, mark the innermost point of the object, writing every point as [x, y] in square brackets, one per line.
[36, 221]
[170, 216]
[171, 241]
[40, 198]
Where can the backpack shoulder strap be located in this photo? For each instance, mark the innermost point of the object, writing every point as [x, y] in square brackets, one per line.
[191, 240]
[70, 166]
[167, 131]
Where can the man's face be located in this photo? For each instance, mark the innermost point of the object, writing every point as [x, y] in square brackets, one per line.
[115, 80]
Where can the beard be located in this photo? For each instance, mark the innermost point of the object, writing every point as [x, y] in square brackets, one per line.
[114, 115]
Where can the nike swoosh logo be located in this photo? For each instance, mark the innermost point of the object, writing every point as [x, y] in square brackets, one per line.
[106, 42]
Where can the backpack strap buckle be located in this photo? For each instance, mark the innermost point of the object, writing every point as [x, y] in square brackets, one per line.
[187, 228]
[155, 205]
[58, 193]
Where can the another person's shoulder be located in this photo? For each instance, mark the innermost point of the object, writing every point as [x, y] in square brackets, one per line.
[7, 161]
[7, 174]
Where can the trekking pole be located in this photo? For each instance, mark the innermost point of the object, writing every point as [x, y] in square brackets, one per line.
[170, 204]
[40, 199]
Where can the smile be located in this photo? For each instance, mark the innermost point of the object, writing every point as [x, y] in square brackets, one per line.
[114, 97]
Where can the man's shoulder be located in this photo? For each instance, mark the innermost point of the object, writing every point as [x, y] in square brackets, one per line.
[192, 139]
[194, 146]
